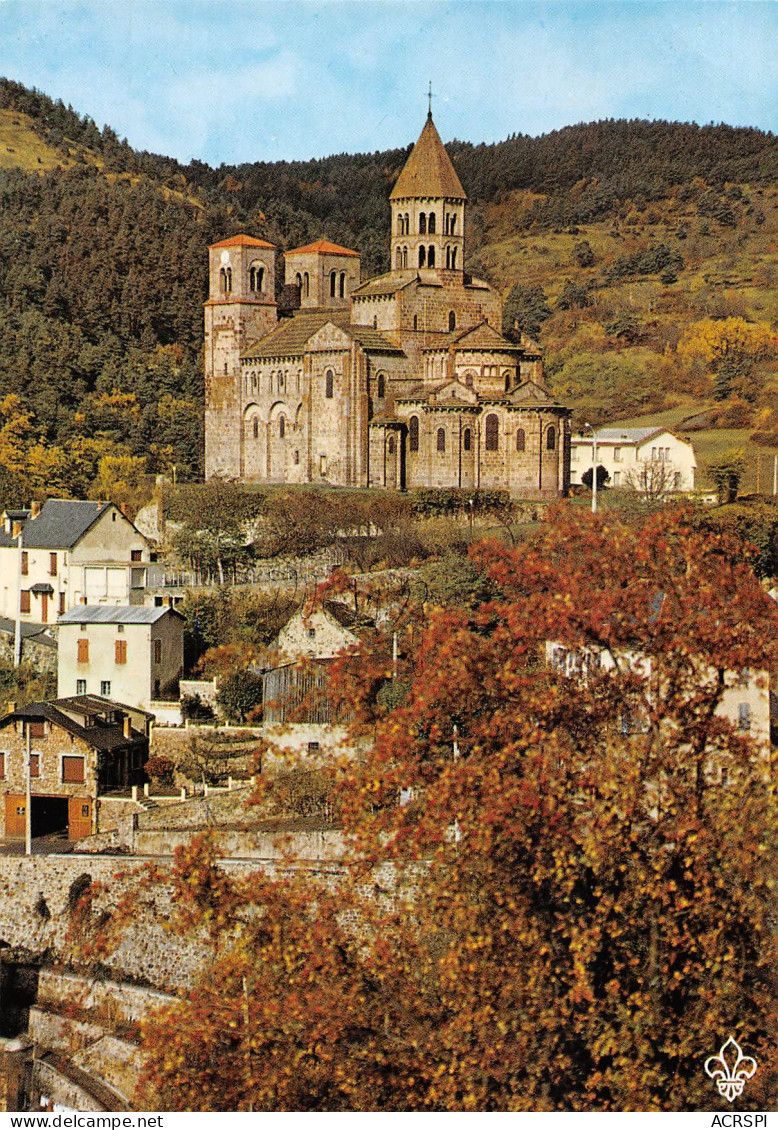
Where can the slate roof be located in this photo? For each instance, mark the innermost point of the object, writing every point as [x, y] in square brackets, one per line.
[290, 338]
[243, 241]
[621, 435]
[323, 247]
[428, 172]
[61, 523]
[389, 283]
[38, 632]
[480, 337]
[100, 734]
[118, 614]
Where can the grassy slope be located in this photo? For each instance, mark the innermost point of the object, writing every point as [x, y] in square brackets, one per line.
[22, 148]
[728, 272]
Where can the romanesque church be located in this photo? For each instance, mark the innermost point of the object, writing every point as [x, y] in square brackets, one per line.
[402, 381]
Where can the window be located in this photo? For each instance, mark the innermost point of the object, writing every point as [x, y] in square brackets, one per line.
[24, 600]
[323, 465]
[62, 604]
[311, 633]
[281, 427]
[157, 688]
[333, 283]
[306, 284]
[677, 480]
[415, 321]
[37, 728]
[617, 478]
[136, 555]
[743, 717]
[452, 321]
[440, 441]
[120, 651]
[381, 387]
[398, 259]
[521, 440]
[80, 686]
[422, 256]
[25, 563]
[492, 433]
[329, 384]
[390, 445]
[413, 433]
[431, 223]
[2, 765]
[35, 765]
[83, 651]
[313, 747]
[73, 770]
[573, 454]
[617, 455]
[453, 258]
[157, 651]
[296, 457]
[551, 439]
[431, 256]
[105, 688]
[255, 427]
[467, 439]
[342, 287]
[422, 223]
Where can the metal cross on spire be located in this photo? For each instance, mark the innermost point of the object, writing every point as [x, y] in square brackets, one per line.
[429, 96]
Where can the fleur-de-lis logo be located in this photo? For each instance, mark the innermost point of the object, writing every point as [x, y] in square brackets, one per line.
[731, 1069]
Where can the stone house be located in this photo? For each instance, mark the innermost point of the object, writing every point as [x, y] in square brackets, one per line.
[297, 711]
[401, 381]
[651, 460]
[72, 552]
[132, 655]
[80, 748]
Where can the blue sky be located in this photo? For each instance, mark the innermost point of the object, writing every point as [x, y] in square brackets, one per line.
[234, 80]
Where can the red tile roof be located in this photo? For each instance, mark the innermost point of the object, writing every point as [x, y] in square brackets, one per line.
[323, 247]
[243, 241]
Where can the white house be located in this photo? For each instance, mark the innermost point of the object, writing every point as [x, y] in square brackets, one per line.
[650, 460]
[72, 552]
[133, 655]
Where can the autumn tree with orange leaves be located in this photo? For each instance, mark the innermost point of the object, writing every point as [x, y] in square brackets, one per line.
[570, 908]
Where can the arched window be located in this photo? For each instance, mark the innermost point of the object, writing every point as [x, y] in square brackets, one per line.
[453, 258]
[256, 428]
[551, 439]
[467, 439]
[431, 255]
[422, 256]
[415, 321]
[452, 224]
[296, 458]
[492, 433]
[507, 380]
[405, 257]
[521, 440]
[260, 278]
[448, 257]
[281, 427]
[223, 281]
[298, 280]
[413, 433]
[342, 284]
[280, 381]
[333, 283]
[252, 278]
[422, 223]
[329, 384]
[452, 321]
[390, 445]
[381, 386]
[398, 259]
[306, 284]
[254, 385]
[440, 440]
[375, 321]
[431, 223]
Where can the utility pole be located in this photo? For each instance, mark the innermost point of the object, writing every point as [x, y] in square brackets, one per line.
[28, 792]
[594, 467]
[775, 474]
[18, 633]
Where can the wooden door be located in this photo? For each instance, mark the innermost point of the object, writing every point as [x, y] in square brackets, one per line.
[79, 817]
[44, 608]
[15, 815]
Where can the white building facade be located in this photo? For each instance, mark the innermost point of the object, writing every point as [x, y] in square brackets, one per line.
[649, 460]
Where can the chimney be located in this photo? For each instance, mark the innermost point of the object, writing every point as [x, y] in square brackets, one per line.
[127, 728]
[35, 509]
[17, 529]
[11, 706]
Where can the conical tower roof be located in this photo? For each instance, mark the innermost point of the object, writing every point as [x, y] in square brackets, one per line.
[428, 172]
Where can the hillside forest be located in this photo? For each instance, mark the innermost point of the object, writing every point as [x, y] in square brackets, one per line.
[643, 256]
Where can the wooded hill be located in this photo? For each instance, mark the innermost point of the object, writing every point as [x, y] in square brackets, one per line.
[642, 254]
